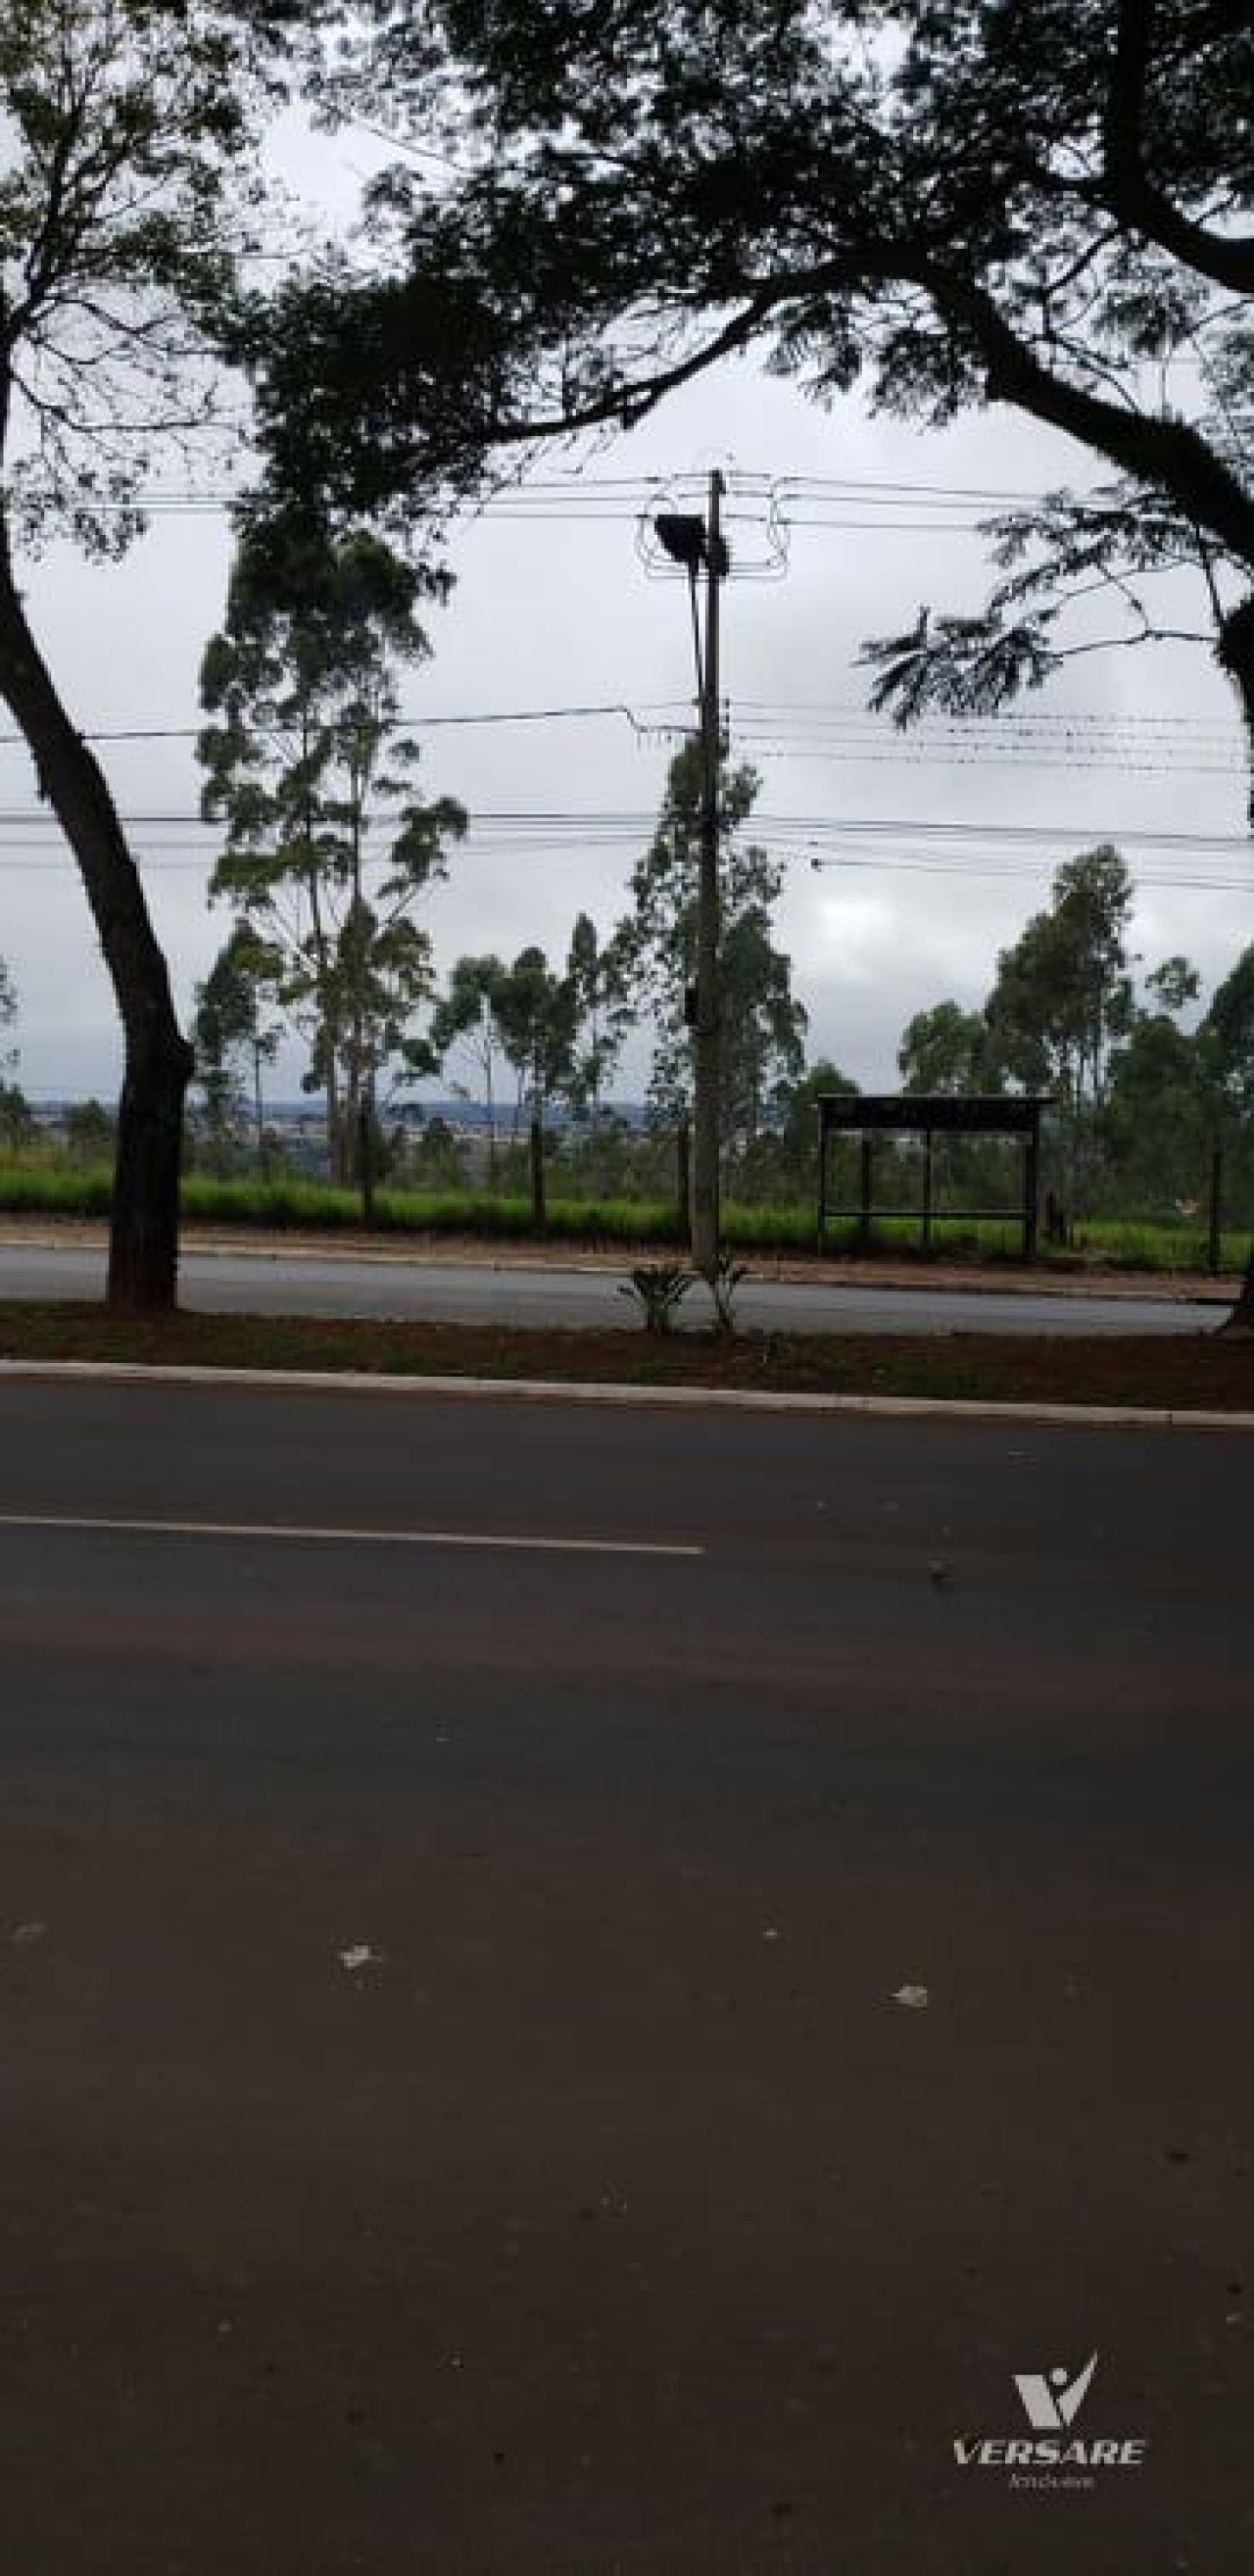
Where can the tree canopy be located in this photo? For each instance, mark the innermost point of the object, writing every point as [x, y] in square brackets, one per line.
[1063, 993]
[328, 847]
[763, 1027]
[130, 189]
[1044, 203]
[947, 1049]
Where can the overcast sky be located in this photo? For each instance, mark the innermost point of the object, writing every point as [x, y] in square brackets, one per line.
[552, 612]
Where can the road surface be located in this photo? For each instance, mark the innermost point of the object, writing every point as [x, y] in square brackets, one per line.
[458, 1865]
[483, 1293]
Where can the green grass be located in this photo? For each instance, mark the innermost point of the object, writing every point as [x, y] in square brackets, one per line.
[1136, 1244]
[30, 1189]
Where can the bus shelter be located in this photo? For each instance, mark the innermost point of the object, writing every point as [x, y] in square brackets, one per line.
[927, 1114]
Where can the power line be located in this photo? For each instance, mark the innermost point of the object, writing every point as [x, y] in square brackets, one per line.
[579, 819]
[639, 721]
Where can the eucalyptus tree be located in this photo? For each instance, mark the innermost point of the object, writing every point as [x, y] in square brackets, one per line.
[536, 1012]
[465, 1025]
[947, 1049]
[130, 193]
[598, 972]
[1040, 205]
[1227, 1033]
[8, 1006]
[328, 847]
[234, 1036]
[14, 1116]
[762, 1026]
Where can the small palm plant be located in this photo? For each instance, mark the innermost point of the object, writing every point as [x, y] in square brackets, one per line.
[728, 1278]
[659, 1289]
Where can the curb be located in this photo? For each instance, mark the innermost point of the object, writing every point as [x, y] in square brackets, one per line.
[693, 1399]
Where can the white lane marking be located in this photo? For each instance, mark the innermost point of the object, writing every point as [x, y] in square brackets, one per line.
[346, 1537]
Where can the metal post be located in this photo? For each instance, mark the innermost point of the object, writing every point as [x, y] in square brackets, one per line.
[1215, 1244]
[537, 1175]
[927, 1189]
[822, 1245]
[705, 1209]
[864, 1197]
[1031, 1162]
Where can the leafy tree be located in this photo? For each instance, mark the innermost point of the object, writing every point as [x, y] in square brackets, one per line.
[1173, 985]
[328, 850]
[466, 1023]
[437, 1155]
[1031, 202]
[946, 1049]
[1063, 995]
[1227, 1036]
[785, 1156]
[535, 1011]
[762, 1027]
[1160, 1116]
[8, 1009]
[17, 1125]
[90, 1132]
[129, 189]
[597, 972]
[233, 1038]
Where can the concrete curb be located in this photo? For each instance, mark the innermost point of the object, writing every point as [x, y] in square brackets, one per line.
[693, 1399]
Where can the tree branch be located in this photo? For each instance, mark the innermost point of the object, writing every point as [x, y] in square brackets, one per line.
[1226, 258]
[1168, 452]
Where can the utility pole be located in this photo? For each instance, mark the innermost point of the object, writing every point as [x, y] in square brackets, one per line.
[695, 542]
[708, 1048]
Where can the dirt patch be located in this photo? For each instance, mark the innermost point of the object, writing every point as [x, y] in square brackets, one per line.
[1187, 1371]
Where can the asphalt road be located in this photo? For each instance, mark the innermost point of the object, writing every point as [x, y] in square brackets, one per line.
[610, 2214]
[483, 1293]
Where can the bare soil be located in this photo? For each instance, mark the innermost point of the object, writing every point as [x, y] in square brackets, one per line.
[1206, 1371]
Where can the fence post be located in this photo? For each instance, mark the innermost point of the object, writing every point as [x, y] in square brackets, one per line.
[683, 1172]
[864, 1196]
[537, 1175]
[1215, 1244]
[1031, 1189]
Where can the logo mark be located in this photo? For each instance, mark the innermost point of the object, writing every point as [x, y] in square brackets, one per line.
[1050, 2400]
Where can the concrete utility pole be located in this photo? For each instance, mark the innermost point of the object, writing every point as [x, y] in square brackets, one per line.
[694, 542]
[708, 1049]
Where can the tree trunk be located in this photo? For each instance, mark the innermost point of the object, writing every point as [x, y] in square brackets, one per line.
[1236, 656]
[1240, 1318]
[143, 1243]
[487, 1067]
[259, 1115]
[537, 1175]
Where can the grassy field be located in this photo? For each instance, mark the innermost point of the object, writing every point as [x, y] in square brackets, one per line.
[291, 1205]
[1204, 1370]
